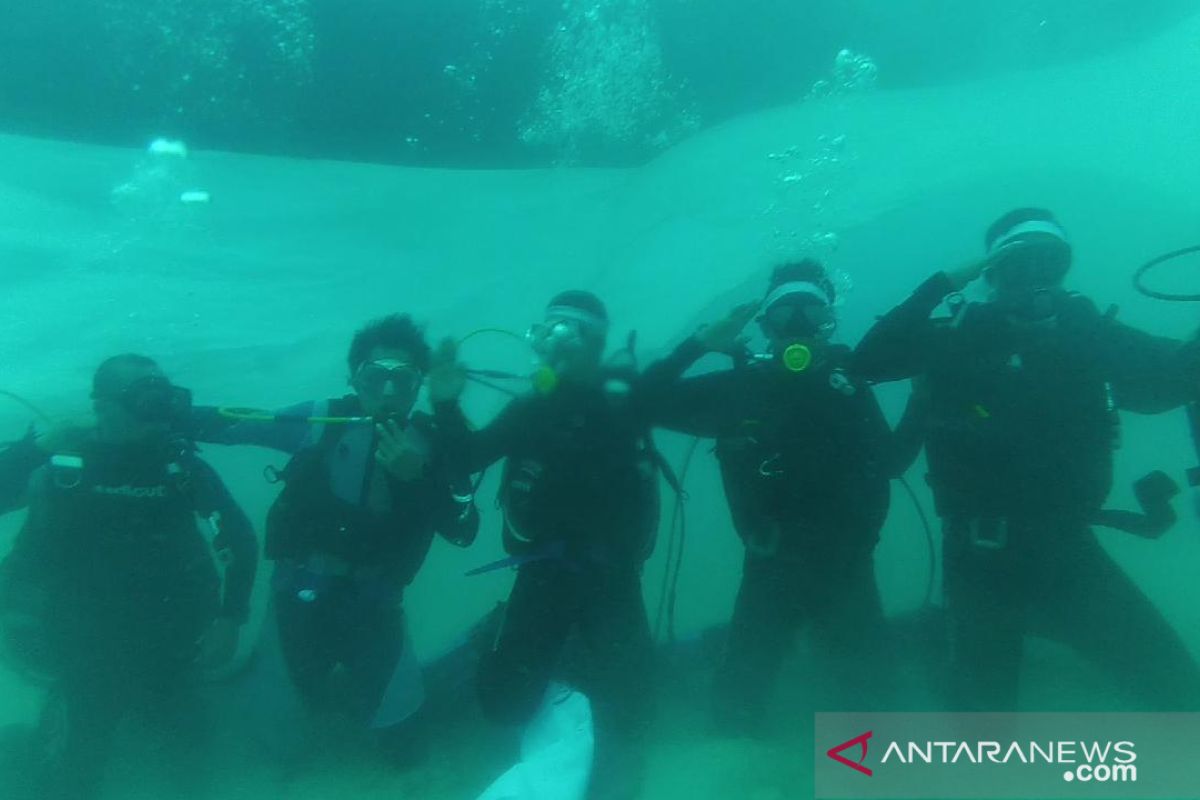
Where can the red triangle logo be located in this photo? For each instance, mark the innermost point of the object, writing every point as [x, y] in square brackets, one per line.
[836, 753]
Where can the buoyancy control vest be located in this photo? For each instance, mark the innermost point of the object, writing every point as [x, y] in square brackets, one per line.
[1022, 420]
[323, 508]
[134, 510]
[120, 556]
[807, 466]
[586, 479]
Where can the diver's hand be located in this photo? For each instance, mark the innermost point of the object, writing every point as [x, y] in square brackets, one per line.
[961, 277]
[220, 644]
[397, 453]
[447, 377]
[725, 335]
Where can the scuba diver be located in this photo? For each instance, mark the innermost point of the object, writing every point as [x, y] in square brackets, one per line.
[364, 493]
[805, 458]
[580, 499]
[1022, 395]
[115, 569]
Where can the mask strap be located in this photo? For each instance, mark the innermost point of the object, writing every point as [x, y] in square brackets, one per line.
[794, 288]
[1033, 226]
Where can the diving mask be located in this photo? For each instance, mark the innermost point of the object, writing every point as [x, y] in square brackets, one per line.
[554, 338]
[155, 399]
[798, 320]
[388, 377]
[798, 310]
[1029, 266]
[565, 332]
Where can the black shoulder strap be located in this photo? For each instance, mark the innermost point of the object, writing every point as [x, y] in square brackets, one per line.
[330, 434]
[338, 407]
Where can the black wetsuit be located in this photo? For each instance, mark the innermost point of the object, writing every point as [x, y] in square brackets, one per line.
[580, 491]
[805, 461]
[128, 585]
[1020, 437]
[347, 538]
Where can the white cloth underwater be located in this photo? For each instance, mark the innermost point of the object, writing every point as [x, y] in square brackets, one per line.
[556, 752]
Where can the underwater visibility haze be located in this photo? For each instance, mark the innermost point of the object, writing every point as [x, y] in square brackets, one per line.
[234, 187]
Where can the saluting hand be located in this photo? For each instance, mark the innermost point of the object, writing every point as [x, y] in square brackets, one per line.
[725, 335]
[967, 273]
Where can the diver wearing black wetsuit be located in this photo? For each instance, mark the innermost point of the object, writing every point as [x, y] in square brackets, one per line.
[581, 509]
[805, 453]
[1022, 399]
[114, 566]
[366, 490]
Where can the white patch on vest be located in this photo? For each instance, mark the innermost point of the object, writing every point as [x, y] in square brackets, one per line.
[64, 461]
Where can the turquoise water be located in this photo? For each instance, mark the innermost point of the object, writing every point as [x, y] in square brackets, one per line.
[250, 298]
[474, 82]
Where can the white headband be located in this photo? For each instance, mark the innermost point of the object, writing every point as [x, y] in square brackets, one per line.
[1033, 226]
[797, 287]
[579, 315]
